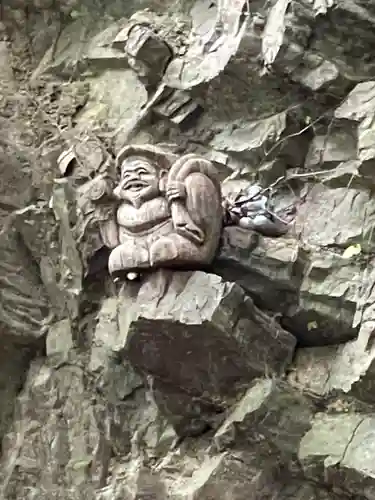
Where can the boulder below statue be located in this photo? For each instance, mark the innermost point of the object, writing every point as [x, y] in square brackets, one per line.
[194, 334]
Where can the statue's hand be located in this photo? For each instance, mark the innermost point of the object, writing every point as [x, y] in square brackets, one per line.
[176, 191]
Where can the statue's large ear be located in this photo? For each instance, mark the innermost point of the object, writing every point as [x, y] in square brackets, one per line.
[163, 178]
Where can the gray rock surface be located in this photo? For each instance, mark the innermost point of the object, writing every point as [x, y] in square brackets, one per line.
[339, 448]
[205, 326]
[24, 305]
[208, 347]
[271, 414]
[254, 378]
[315, 292]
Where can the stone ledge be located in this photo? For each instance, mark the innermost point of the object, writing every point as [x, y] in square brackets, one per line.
[314, 290]
[199, 333]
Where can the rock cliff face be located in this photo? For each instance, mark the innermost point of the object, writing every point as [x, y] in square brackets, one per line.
[254, 379]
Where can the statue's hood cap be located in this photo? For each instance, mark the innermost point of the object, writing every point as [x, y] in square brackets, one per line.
[162, 158]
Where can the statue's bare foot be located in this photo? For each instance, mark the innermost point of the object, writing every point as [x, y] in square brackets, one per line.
[126, 257]
[164, 250]
[174, 249]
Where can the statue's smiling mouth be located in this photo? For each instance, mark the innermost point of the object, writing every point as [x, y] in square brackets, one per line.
[135, 185]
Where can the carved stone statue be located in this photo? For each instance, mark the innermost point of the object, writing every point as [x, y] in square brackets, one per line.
[168, 212]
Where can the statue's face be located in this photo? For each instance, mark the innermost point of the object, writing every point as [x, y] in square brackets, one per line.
[138, 177]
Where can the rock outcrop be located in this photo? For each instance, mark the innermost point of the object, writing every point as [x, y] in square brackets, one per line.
[251, 378]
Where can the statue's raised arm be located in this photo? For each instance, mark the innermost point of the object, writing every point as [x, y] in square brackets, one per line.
[193, 190]
[169, 211]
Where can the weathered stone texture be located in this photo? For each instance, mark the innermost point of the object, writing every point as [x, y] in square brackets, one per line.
[314, 291]
[199, 339]
[24, 305]
[202, 318]
[269, 269]
[63, 430]
[271, 414]
[251, 379]
[339, 448]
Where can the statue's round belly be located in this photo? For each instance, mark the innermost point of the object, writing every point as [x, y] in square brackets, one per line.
[148, 216]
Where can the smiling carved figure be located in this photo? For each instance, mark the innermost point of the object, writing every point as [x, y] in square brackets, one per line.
[169, 212]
